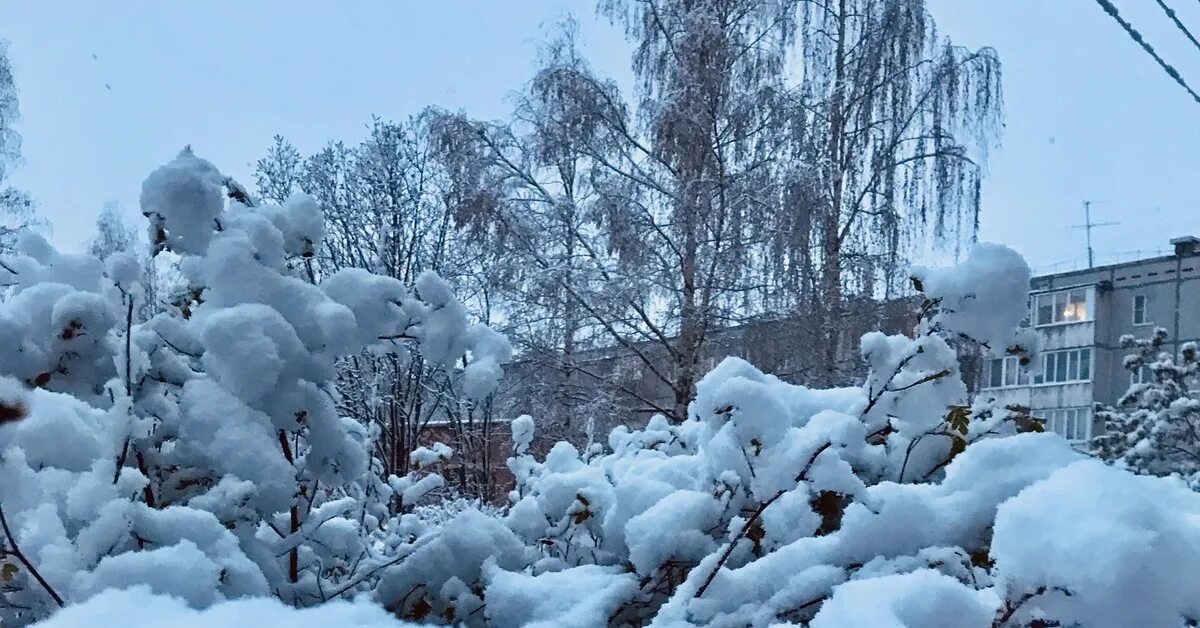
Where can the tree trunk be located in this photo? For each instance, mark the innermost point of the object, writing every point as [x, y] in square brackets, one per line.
[689, 322]
[831, 243]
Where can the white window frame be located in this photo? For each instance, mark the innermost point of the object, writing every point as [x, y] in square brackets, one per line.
[1144, 310]
[1073, 424]
[1010, 371]
[1059, 301]
[1141, 376]
[1073, 366]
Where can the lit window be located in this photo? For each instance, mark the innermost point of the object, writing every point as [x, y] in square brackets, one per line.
[1076, 309]
[1067, 306]
[1071, 423]
[1140, 316]
[1071, 365]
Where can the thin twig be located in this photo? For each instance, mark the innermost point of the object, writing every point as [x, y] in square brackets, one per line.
[415, 546]
[753, 519]
[16, 551]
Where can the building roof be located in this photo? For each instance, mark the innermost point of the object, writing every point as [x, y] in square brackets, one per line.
[1107, 267]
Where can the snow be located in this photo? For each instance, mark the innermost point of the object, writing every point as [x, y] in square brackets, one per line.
[457, 552]
[422, 457]
[222, 468]
[580, 597]
[180, 570]
[522, 433]
[184, 198]
[983, 297]
[139, 608]
[1120, 544]
[920, 599]
[223, 472]
[675, 527]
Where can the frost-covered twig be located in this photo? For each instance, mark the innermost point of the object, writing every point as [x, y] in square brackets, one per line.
[1011, 607]
[753, 519]
[15, 550]
[421, 542]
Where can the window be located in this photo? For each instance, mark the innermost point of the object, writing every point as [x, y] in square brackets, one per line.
[1004, 373]
[1071, 365]
[1067, 306]
[1140, 316]
[1070, 423]
[1142, 376]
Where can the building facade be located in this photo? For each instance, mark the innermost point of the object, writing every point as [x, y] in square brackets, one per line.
[614, 386]
[1080, 317]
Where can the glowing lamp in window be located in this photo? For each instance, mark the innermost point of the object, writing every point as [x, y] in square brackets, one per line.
[1075, 306]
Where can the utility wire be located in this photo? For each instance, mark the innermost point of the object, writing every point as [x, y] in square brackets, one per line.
[1178, 23]
[1141, 41]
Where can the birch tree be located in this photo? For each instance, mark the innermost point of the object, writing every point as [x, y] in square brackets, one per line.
[16, 208]
[893, 124]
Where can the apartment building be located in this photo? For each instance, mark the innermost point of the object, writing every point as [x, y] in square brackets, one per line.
[1080, 317]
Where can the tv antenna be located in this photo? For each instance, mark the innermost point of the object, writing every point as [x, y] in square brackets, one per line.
[1088, 225]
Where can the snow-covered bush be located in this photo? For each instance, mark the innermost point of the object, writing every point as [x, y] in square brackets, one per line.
[198, 458]
[139, 608]
[200, 453]
[892, 504]
[1153, 429]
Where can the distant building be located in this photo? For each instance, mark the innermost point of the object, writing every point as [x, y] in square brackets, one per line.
[1080, 317]
[615, 386]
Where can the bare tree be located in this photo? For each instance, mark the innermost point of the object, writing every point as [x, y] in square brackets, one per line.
[112, 234]
[893, 124]
[16, 209]
[278, 173]
[387, 204]
[612, 233]
[650, 216]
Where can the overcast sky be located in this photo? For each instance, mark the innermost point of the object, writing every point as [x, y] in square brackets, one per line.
[111, 90]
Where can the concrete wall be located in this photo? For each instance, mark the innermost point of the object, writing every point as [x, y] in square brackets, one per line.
[1171, 285]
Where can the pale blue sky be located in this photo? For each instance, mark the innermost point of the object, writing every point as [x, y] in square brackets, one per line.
[1089, 116]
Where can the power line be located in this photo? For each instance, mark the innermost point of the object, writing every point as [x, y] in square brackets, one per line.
[1137, 37]
[1178, 23]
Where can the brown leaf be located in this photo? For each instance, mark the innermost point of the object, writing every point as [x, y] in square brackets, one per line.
[958, 445]
[419, 610]
[959, 418]
[981, 558]
[756, 534]
[8, 572]
[829, 505]
[1024, 421]
[12, 411]
[71, 330]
